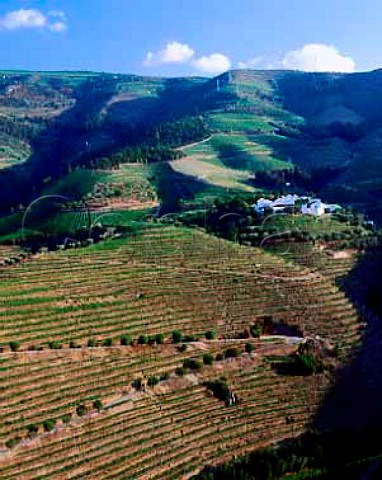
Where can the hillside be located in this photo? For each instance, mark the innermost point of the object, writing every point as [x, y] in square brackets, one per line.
[97, 324]
[259, 120]
[152, 322]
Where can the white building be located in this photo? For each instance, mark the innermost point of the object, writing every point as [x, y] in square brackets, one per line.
[283, 202]
[277, 205]
[332, 207]
[313, 207]
[262, 204]
[306, 205]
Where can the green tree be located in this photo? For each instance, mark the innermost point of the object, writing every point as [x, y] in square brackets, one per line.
[137, 384]
[256, 331]
[81, 410]
[210, 335]
[177, 336]
[125, 340]
[12, 442]
[66, 418]
[208, 359]
[152, 381]
[14, 346]
[49, 425]
[142, 339]
[97, 404]
[192, 364]
[32, 430]
[180, 371]
[231, 353]
[305, 364]
[219, 388]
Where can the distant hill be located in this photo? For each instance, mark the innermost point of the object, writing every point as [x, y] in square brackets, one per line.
[53, 122]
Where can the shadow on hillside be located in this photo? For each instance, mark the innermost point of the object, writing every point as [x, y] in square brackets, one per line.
[66, 141]
[232, 156]
[355, 399]
[173, 187]
[190, 96]
[129, 112]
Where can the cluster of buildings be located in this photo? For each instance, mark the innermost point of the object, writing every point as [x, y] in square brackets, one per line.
[295, 203]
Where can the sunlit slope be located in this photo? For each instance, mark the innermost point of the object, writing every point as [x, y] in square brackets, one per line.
[178, 421]
[162, 279]
[228, 160]
[313, 120]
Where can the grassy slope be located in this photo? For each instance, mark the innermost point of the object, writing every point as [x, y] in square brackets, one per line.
[28, 101]
[290, 115]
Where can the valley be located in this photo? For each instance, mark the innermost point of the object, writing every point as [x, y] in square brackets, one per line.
[153, 323]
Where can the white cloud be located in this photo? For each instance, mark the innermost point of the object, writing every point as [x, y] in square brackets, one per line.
[23, 19]
[316, 57]
[181, 53]
[212, 64]
[32, 18]
[174, 52]
[58, 26]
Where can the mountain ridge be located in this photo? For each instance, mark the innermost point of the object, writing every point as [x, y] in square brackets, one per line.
[309, 119]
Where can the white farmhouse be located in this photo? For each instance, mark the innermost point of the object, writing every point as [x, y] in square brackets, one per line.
[277, 205]
[332, 207]
[284, 202]
[306, 205]
[313, 207]
[317, 208]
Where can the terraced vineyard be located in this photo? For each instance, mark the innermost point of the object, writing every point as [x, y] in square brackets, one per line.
[331, 263]
[165, 432]
[227, 160]
[157, 281]
[12, 151]
[164, 279]
[154, 350]
[11, 254]
[238, 151]
[127, 188]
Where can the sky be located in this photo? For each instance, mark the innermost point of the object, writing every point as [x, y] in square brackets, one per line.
[190, 37]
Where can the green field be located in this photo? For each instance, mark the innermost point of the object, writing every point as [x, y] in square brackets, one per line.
[240, 152]
[228, 160]
[239, 122]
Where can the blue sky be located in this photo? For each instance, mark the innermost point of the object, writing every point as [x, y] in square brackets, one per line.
[184, 37]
